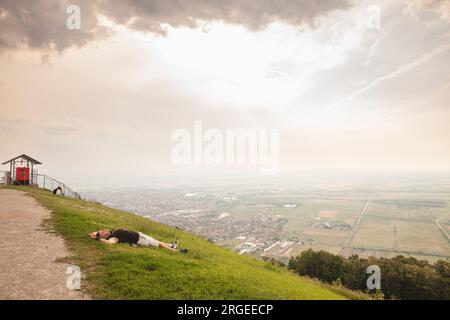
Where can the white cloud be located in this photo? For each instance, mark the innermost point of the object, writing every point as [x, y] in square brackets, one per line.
[373, 48]
[440, 7]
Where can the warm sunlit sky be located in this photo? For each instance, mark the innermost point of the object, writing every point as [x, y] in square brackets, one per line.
[345, 92]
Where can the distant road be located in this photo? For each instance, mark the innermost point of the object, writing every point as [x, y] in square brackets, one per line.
[364, 212]
[442, 229]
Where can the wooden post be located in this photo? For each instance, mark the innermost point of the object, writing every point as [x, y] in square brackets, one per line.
[28, 166]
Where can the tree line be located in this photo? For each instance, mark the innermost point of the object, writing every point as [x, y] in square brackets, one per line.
[401, 277]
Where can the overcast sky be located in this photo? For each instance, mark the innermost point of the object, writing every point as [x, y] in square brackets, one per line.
[349, 90]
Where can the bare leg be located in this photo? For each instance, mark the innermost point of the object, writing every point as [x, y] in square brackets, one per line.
[167, 246]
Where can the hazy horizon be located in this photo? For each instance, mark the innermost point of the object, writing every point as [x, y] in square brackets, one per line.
[292, 180]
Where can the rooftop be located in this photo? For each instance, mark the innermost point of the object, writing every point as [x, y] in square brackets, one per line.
[25, 157]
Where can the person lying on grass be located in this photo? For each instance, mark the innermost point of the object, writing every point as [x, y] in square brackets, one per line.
[122, 235]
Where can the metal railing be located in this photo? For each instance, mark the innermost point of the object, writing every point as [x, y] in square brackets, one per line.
[49, 183]
[45, 182]
[2, 176]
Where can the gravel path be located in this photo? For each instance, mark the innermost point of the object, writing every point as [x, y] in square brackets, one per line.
[27, 252]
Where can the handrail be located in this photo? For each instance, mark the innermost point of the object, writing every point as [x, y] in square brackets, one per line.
[49, 183]
[2, 176]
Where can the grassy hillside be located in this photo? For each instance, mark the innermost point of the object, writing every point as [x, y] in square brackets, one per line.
[207, 272]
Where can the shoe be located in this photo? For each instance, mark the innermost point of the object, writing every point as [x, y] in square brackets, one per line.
[185, 250]
[174, 244]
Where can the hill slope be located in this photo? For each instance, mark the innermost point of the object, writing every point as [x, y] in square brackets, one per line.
[207, 272]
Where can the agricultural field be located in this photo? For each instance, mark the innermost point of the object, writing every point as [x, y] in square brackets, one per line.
[399, 219]
[405, 222]
[375, 233]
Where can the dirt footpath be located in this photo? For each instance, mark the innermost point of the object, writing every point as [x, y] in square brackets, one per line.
[27, 252]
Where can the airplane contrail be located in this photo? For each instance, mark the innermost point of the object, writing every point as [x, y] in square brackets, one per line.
[401, 70]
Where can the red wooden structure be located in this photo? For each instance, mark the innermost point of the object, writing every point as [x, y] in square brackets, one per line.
[22, 169]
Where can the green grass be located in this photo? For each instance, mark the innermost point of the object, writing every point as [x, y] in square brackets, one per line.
[207, 272]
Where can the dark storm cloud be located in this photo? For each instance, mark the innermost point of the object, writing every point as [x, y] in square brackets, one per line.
[42, 23]
[254, 14]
